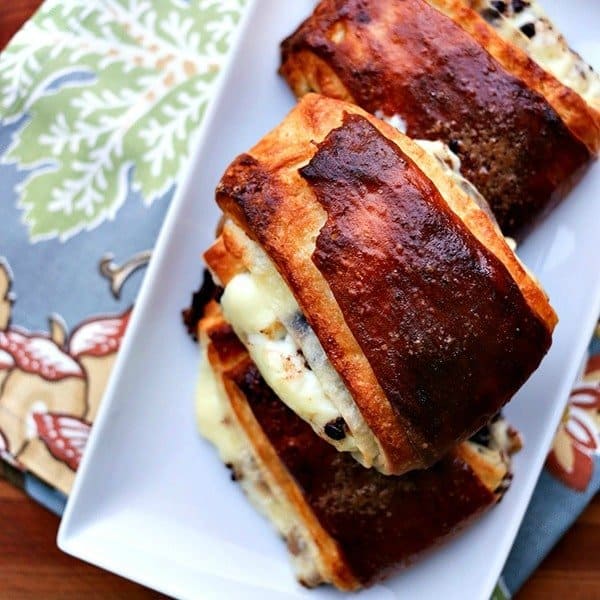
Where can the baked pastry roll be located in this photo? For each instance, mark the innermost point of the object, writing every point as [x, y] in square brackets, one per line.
[376, 298]
[331, 511]
[504, 91]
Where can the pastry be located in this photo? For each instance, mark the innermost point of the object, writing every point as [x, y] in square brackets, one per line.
[495, 82]
[377, 299]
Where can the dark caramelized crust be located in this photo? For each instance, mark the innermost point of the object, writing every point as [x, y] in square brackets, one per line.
[206, 292]
[408, 58]
[265, 195]
[436, 314]
[377, 523]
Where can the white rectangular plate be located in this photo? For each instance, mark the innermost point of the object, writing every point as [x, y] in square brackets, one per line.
[152, 501]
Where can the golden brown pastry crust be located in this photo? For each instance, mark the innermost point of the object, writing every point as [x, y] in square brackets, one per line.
[501, 110]
[264, 193]
[581, 118]
[347, 557]
[226, 265]
[292, 144]
[221, 262]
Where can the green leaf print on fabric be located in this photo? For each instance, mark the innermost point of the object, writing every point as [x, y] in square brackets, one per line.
[113, 91]
[500, 592]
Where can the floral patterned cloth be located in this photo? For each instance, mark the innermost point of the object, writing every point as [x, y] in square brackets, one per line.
[577, 442]
[99, 104]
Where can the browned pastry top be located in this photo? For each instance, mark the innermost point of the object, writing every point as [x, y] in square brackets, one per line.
[265, 195]
[443, 325]
[379, 523]
[408, 58]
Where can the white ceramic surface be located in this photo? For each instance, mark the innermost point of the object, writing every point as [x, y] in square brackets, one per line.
[153, 503]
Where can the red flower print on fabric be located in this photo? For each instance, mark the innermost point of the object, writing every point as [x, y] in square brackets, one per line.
[64, 436]
[577, 440]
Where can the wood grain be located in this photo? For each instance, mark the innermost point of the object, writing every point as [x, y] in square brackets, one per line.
[572, 569]
[31, 566]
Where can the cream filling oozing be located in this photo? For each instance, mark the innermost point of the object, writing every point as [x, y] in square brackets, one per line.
[451, 165]
[394, 120]
[496, 442]
[264, 321]
[525, 24]
[212, 415]
[497, 436]
[218, 424]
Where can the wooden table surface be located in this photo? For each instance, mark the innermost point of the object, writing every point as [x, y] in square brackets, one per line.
[32, 567]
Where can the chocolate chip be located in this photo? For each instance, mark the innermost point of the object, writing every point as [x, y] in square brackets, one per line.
[490, 14]
[299, 323]
[363, 16]
[454, 146]
[528, 29]
[336, 429]
[519, 5]
[304, 361]
[482, 437]
[208, 291]
[236, 474]
[499, 6]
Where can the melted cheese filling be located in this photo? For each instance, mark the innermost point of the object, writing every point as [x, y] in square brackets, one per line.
[451, 165]
[525, 24]
[266, 317]
[212, 415]
[394, 120]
